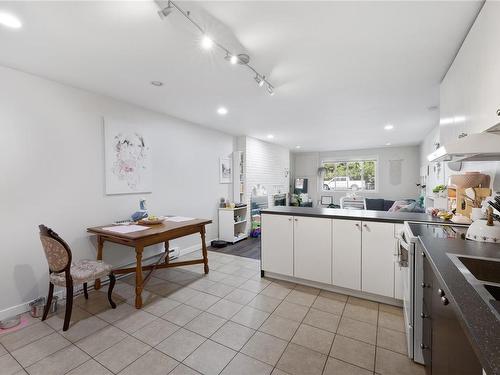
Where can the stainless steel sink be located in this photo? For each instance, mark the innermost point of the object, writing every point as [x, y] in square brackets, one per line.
[483, 269]
[493, 290]
[483, 274]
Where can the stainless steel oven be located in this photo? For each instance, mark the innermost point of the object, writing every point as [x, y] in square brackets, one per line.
[411, 259]
[406, 254]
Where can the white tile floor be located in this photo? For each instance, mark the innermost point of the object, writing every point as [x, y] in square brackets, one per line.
[230, 321]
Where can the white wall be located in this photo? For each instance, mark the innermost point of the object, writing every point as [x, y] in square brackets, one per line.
[266, 164]
[306, 165]
[52, 168]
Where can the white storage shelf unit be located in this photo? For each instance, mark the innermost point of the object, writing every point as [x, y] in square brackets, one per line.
[349, 255]
[233, 224]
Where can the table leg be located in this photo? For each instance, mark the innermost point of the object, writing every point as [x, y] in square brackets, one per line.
[167, 252]
[100, 245]
[138, 276]
[204, 249]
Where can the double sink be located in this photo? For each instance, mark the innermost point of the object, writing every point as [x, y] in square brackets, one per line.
[483, 274]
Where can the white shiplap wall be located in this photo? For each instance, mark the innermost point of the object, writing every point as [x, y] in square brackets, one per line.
[266, 164]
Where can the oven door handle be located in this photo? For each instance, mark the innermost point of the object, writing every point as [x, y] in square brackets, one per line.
[403, 243]
[403, 262]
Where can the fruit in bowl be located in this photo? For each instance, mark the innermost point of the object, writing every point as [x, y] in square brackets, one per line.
[152, 219]
[445, 215]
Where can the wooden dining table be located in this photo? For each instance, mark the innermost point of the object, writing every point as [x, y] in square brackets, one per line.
[155, 234]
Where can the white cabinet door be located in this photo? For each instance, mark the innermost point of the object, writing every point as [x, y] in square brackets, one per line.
[277, 244]
[469, 94]
[377, 259]
[485, 35]
[313, 248]
[347, 254]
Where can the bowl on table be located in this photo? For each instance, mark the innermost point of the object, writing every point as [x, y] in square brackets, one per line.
[152, 220]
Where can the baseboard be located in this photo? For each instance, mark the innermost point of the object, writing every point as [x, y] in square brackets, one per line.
[24, 307]
[337, 289]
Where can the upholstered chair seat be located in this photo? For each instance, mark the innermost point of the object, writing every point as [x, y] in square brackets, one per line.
[66, 273]
[81, 272]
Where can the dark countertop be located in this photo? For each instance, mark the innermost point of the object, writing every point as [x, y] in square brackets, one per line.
[366, 215]
[477, 317]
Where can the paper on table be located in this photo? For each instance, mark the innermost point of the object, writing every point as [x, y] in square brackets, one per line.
[178, 219]
[126, 228]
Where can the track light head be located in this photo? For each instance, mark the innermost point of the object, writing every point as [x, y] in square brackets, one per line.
[270, 89]
[233, 59]
[163, 13]
[207, 42]
[260, 80]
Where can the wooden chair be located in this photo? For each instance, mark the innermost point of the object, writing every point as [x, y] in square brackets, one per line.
[65, 273]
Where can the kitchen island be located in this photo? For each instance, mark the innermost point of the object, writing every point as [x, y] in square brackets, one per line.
[365, 215]
[354, 252]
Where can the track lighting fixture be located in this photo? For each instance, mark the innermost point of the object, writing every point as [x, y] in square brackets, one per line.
[163, 13]
[233, 59]
[259, 79]
[208, 43]
[270, 89]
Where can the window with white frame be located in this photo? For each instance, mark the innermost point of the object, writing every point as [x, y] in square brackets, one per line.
[350, 175]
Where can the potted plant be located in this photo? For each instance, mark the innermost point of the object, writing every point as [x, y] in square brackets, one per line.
[440, 191]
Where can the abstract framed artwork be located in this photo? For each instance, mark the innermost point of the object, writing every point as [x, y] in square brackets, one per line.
[127, 154]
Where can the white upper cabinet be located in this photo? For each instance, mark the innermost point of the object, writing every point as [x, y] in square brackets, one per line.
[313, 249]
[277, 244]
[377, 258]
[347, 254]
[470, 93]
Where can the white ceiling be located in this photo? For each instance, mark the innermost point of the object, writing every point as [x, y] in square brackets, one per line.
[342, 70]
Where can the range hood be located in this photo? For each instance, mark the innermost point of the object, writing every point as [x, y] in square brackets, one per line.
[475, 147]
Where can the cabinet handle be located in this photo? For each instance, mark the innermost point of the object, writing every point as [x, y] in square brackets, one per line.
[424, 316]
[365, 225]
[423, 254]
[357, 225]
[423, 347]
[444, 301]
[498, 112]
[424, 285]
[462, 135]
[440, 292]
[296, 219]
[289, 219]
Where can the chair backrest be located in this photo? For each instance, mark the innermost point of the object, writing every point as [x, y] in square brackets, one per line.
[56, 250]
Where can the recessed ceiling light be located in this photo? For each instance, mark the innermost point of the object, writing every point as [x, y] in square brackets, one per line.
[233, 59]
[388, 144]
[207, 42]
[157, 83]
[222, 111]
[389, 127]
[298, 146]
[10, 20]
[270, 136]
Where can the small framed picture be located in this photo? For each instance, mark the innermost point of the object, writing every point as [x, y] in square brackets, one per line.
[326, 200]
[225, 170]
